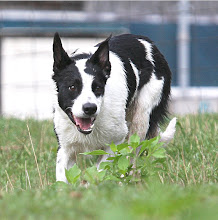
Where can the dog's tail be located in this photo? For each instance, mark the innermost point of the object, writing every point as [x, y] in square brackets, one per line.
[169, 133]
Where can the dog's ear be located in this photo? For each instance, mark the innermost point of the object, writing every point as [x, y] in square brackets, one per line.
[101, 57]
[61, 59]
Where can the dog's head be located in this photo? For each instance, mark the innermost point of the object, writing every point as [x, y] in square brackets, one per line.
[80, 82]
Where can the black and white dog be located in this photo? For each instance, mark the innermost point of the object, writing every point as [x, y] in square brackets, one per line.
[118, 88]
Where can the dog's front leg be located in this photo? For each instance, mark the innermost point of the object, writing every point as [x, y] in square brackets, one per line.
[65, 160]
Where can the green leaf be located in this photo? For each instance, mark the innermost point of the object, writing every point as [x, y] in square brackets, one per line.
[110, 158]
[126, 150]
[122, 146]
[144, 145]
[154, 142]
[122, 172]
[158, 145]
[113, 147]
[92, 175]
[101, 175]
[128, 154]
[111, 177]
[114, 159]
[73, 174]
[105, 165]
[134, 141]
[95, 152]
[123, 163]
[150, 144]
[159, 153]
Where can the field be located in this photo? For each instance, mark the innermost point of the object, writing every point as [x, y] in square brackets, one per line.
[185, 189]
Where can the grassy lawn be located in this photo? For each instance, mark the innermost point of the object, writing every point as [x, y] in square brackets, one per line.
[186, 189]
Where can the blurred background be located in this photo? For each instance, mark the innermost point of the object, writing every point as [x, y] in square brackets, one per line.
[186, 32]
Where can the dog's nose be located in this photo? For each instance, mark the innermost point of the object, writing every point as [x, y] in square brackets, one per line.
[90, 108]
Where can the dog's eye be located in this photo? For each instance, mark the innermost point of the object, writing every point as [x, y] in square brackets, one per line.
[98, 89]
[72, 88]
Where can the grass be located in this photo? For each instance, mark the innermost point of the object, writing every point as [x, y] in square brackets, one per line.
[186, 190]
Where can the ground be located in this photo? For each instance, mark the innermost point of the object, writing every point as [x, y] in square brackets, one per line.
[186, 188]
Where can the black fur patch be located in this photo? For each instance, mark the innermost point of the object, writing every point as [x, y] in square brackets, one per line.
[128, 48]
[81, 56]
[65, 79]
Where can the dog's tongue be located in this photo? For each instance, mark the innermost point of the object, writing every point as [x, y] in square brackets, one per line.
[83, 123]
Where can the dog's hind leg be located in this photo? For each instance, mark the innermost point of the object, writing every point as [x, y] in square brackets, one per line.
[139, 113]
[140, 126]
[138, 116]
[139, 122]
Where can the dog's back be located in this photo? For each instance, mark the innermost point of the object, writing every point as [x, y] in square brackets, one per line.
[148, 79]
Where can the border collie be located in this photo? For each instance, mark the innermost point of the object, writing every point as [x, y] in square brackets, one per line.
[117, 88]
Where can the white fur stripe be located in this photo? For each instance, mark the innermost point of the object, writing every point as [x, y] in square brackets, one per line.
[86, 95]
[148, 49]
[150, 94]
[136, 72]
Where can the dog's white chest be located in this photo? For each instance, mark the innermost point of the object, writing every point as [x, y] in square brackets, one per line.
[107, 128]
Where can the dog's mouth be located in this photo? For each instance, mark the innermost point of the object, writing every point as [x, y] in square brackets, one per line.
[84, 125]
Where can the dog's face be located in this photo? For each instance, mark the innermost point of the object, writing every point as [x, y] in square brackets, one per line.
[80, 82]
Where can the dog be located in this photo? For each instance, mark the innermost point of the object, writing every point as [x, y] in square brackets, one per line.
[105, 94]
